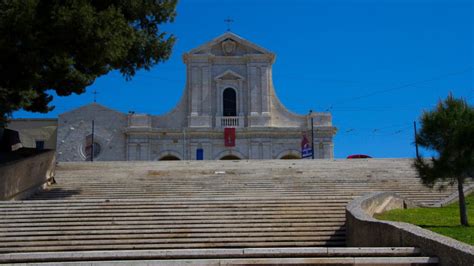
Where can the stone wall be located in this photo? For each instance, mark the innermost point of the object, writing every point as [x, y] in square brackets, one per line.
[36, 129]
[20, 178]
[365, 231]
[75, 126]
[251, 143]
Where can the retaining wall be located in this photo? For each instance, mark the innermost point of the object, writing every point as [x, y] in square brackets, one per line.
[22, 177]
[365, 231]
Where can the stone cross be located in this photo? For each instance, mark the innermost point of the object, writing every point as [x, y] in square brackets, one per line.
[229, 22]
[95, 95]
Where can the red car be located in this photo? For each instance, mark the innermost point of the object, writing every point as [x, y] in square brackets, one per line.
[358, 156]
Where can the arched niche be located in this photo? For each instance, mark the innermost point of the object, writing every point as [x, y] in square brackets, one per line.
[230, 157]
[169, 157]
[290, 157]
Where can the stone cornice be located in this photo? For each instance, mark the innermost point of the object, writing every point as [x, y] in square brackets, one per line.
[218, 59]
[240, 132]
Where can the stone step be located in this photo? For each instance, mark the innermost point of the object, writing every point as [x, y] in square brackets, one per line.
[153, 230]
[238, 255]
[171, 217]
[210, 214]
[213, 243]
[77, 227]
[107, 210]
[161, 223]
[189, 200]
[174, 213]
[10, 240]
[158, 206]
[235, 193]
[395, 261]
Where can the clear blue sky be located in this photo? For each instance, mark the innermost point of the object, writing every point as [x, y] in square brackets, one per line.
[376, 65]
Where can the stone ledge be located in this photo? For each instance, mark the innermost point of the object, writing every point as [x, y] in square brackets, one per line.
[23, 177]
[454, 196]
[386, 256]
[364, 230]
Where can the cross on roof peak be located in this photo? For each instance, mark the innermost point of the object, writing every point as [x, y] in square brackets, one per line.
[95, 95]
[229, 22]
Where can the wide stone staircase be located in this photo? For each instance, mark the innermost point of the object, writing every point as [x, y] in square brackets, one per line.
[191, 212]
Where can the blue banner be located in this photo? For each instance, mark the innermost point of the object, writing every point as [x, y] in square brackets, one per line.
[306, 149]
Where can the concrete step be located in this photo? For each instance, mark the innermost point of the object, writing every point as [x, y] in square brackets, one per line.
[166, 238]
[153, 230]
[184, 200]
[401, 261]
[212, 256]
[78, 227]
[233, 243]
[257, 212]
[162, 224]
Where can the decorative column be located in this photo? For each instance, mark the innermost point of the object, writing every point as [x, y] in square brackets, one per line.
[195, 91]
[219, 97]
[253, 81]
[241, 99]
[206, 97]
[264, 90]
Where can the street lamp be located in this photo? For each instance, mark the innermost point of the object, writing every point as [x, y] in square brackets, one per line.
[312, 134]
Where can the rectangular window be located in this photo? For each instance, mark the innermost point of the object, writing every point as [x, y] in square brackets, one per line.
[40, 144]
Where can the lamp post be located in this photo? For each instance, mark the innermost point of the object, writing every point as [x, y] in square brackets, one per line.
[92, 142]
[312, 134]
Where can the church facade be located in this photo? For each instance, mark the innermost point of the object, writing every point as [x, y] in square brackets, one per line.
[229, 110]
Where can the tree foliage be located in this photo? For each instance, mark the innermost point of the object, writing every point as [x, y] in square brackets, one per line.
[449, 131]
[64, 45]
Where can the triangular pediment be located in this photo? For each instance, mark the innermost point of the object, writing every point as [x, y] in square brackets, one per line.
[229, 44]
[229, 75]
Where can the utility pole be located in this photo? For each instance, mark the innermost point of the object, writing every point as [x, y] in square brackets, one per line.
[312, 134]
[92, 142]
[416, 142]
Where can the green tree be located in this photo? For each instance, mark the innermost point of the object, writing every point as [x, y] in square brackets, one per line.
[449, 131]
[64, 45]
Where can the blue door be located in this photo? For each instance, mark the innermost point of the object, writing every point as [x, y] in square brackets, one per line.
[199, 154]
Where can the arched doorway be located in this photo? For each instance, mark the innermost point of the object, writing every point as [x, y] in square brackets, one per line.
[290, 157]
[230, 102]
[169, 158]
[230, 157]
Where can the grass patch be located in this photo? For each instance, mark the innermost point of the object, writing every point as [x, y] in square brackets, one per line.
[444, 220]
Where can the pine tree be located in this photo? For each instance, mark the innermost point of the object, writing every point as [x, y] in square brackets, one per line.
[449, 131]
[63, 46]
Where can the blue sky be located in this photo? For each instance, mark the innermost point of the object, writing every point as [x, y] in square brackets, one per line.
[375, 65]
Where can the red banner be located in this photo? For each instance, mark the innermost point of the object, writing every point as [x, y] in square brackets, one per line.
[229, 137]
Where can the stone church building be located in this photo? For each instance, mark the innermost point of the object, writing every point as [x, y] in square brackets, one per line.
[229, 110]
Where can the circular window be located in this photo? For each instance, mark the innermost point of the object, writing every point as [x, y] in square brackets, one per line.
[92, 148]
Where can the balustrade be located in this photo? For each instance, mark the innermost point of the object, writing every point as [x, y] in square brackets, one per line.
[229, 121]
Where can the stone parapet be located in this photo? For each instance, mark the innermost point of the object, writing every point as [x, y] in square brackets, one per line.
[365, 231]
[23, 177]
